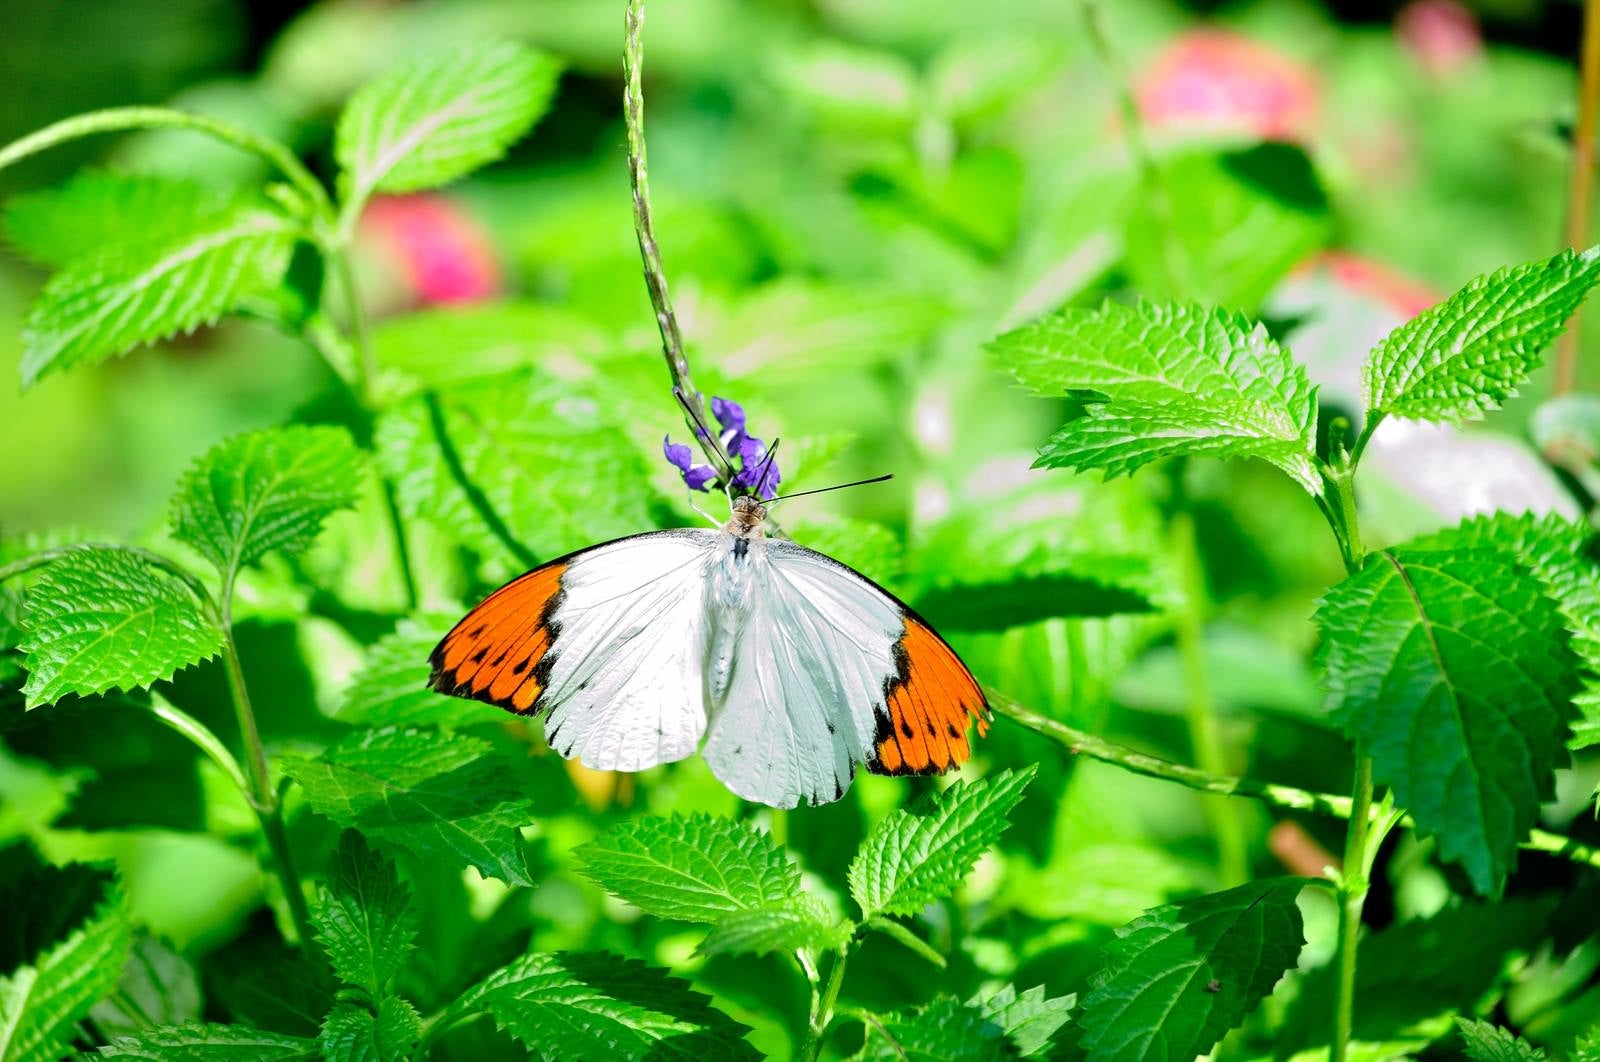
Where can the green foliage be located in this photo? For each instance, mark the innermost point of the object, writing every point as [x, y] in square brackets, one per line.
[391, 689]
[1450, 668]
[918, 856]
[1484, 1042]
[785, 925]
[1471, 352]
[211, 1043]
[695, 869]
[1030, 1020]
[440, 118]
[446, 797]
[97, 215]
[102, 619]
[42, 1002]
[562, 1006]
[1178, 977]
[269, 490]
[97, 307]
[354, 1034]
[942, 1031]
[1166, 380]
[364, 920]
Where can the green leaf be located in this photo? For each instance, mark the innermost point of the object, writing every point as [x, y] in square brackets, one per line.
[392, 688]
[1557, 551]
[536, 453]
[442, 796]
[570, 1006]
[102, 619]
[1451, 669]
[788, 925]
[1471, 352]
[93, 310]
[158, 987]
[695, 869]
[1030, 1020]
[942, 1031]
[211, 1043]
[1174, 379]
[916, 856]
[1484, 1042]
[355, 1034]
[441, 117]
[364, 920]
[1225, 227]
[42, 1002]
[263, 491]
[98, 215]
[1178, 977]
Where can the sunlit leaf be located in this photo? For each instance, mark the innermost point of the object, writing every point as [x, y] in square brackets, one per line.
[942, 1031]
[1451, 669]
[266, 490]
[1166, 379]
[1029, 1019]
[799, 922]
[103, 619]
[917, 856]
[1178, 977]
[364, 919]
[441, 117]
[564, 1006]
[355, 1034]
[99, 215]
[696, 868]
[211, 1043]
[1484, 1042]
[1473, 351]
[442, 796]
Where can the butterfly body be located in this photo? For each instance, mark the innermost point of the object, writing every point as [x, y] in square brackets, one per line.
[784, 668]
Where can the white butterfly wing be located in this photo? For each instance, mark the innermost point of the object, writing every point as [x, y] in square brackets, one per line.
[830, 670]
[609, 641]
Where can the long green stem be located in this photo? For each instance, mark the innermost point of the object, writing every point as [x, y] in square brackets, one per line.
[1352, 897]
[822, 1009]
[1580, 187]
[1200, 709]
[202, 737]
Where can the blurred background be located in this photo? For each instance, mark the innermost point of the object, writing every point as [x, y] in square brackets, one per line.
[852, 197]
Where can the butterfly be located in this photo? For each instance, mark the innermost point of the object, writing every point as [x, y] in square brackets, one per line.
[783, 667]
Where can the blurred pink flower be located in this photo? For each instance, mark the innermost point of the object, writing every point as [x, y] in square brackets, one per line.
[1215, 80]
[1440, 35]
[1381, 283]
[432, 247]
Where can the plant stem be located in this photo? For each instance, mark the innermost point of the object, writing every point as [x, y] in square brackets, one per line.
[264, 797]
[655, 277]
[1352, 884]
[890, 928]
[123, 119]
[202, 737]
[822, 1010]
[1200, 709]
[1580, 187]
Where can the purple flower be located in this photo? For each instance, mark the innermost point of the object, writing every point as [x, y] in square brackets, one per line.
[748, 452]
[681, 457]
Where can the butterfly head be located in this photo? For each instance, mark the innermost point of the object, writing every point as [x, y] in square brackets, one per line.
[748, 513]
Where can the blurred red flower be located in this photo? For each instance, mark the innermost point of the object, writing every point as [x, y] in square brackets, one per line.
[1441, 35]
[1214, 80]
[432, 248]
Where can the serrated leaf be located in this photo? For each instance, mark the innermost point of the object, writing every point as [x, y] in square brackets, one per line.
[916, 856]
[102, 619]
[1484, 1042]
[1178, 977]
[441, 117]
[942, 1031]
[442, 796]
[355, 1034]
[1030, 1020]
[94, 310]
[534, 451]
[158, 987]
[1176, 379]
[211, 1043]
[1451, 669]
[1471, 352]
[599, 1006]
[265, 490]
[99, 214]
[1557, 550]
[42, 1002]
[391, 689]
[364, 920]
[800, 922]
[696, 868]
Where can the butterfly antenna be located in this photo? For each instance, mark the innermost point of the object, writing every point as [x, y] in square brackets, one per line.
[837, 486]
[725, 472]
[761, 474]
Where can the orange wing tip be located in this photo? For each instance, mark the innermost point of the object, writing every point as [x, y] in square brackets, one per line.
[499, 653]
[927, 707]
